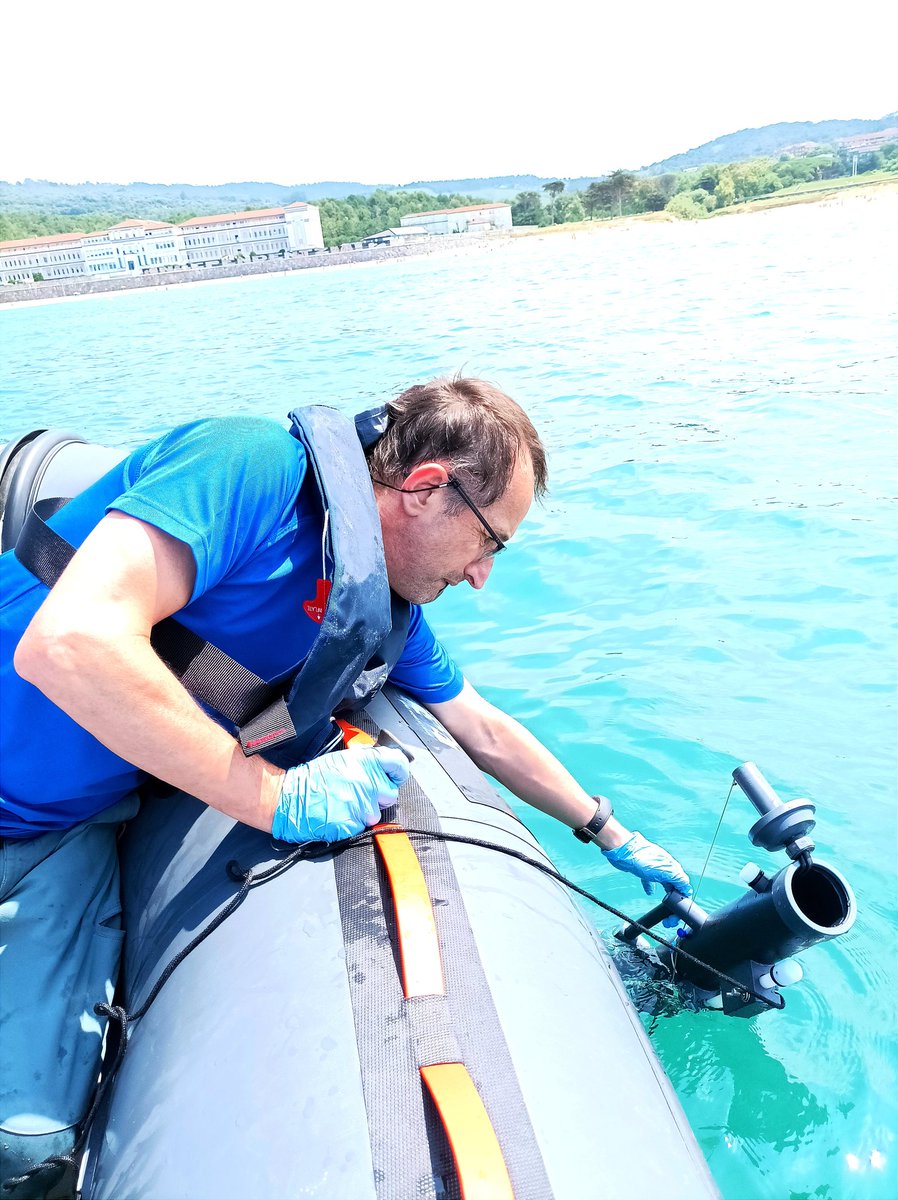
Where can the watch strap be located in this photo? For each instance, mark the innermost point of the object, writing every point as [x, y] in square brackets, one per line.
[591, 830]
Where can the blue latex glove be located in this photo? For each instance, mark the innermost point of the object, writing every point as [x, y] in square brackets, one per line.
[652, 865]
[338, 795]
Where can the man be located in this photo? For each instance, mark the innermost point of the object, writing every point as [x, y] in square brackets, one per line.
[241, 530]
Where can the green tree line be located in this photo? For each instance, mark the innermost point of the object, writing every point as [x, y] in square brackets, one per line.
[691, 193]
[695, 192]
[341, 220]
[357, 217]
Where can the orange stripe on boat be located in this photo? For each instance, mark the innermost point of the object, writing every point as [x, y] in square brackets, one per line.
[353, 736]
[419, 947]
[481, 1169]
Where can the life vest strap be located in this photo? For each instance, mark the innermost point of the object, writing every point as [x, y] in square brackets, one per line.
[245, 699]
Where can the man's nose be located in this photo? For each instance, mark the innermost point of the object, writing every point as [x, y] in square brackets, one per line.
[479, 572]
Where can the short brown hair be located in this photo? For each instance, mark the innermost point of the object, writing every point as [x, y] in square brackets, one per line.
[469, 423]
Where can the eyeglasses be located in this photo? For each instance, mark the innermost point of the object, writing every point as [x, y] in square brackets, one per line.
[453, 483]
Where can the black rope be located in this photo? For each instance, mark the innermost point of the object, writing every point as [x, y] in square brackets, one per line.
[361, 839]
[249, 879]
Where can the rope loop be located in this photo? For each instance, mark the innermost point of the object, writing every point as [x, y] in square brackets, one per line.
[54, 1160]
[236, 872]
[112, 1012]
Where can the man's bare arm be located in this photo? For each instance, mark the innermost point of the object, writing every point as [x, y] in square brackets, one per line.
[504, 749]
[88, 650]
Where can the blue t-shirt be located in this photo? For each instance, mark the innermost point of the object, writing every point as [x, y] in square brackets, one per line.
[228, 488]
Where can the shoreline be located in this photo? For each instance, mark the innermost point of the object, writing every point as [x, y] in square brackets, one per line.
[825, 195]
[63, 291]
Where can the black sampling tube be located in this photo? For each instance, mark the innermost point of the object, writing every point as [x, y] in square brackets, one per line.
[801, 908]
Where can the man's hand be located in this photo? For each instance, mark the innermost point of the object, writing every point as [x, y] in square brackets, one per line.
[650, 863]
[338, 795]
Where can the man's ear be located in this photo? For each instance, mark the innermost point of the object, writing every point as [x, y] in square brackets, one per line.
[422, 484]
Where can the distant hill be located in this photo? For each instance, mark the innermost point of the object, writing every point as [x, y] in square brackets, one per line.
[159, 200]
[770, 141]
[155, 199]
[163, 201]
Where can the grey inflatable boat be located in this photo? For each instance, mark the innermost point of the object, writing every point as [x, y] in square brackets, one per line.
[408, 1018]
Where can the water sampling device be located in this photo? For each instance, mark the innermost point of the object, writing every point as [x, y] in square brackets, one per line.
[754, 939]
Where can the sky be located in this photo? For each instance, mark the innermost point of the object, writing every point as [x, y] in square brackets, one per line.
[302, 93]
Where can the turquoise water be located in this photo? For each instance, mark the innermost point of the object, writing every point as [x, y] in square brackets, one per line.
[712, 579]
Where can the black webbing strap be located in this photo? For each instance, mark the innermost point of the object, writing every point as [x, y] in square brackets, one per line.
[239, 695]
[40, 548]
[207, 672]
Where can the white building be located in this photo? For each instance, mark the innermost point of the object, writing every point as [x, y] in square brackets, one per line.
[148, 247]
[472, 218]
[144, 247]
[261, 233]
[55, 256]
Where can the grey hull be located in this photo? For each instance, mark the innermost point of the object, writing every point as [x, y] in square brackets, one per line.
[279, 1058]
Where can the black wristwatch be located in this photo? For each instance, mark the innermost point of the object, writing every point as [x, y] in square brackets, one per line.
[591, 830]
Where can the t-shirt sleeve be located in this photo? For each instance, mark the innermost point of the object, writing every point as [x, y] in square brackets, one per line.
[222, 486]
[425, 670]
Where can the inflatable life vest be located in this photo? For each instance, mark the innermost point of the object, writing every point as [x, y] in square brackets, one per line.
[363, 627]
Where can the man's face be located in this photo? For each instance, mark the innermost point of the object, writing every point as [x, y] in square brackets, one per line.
[430, 545]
